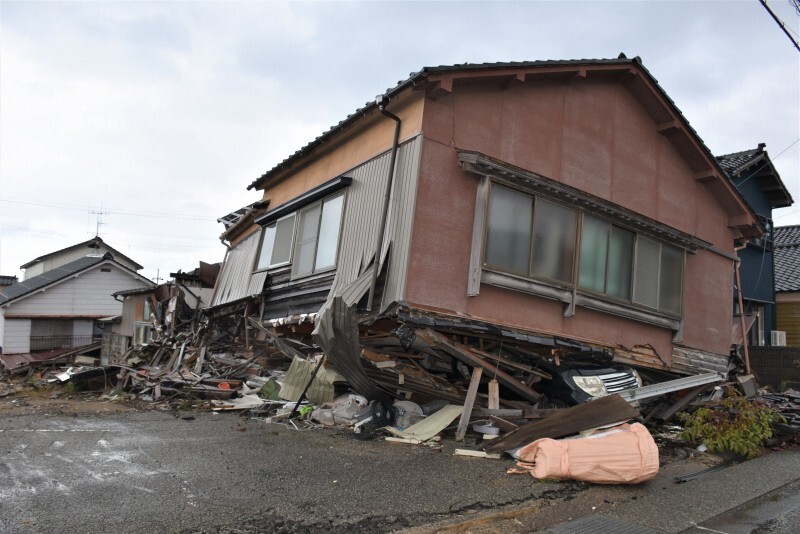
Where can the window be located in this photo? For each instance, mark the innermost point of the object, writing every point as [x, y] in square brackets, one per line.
[606, 258]
[142, 334]
[308, 238]
[317, 239]
[530, 236]
[276, 243]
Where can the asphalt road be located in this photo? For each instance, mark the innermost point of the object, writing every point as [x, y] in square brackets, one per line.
[145, 472]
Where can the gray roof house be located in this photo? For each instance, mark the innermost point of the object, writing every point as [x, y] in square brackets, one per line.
[61, 306]
[94, 246]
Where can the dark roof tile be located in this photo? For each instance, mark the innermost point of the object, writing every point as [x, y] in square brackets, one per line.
[21, 289]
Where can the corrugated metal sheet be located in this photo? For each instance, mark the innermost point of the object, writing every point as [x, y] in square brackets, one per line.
[237, 279]
[365, 199]
[359, 234]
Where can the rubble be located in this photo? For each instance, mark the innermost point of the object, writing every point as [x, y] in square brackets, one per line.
[428, 377]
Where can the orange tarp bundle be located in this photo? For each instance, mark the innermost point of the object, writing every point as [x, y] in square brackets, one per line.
[625, 454]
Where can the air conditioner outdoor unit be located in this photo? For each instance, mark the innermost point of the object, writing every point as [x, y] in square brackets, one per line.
[777, 338]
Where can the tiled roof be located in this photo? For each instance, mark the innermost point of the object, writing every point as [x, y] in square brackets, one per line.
[787, 235]
[417, 78]
[733, 163]
[94, 242]
[21, 289]
[787, 258]
[755, 164]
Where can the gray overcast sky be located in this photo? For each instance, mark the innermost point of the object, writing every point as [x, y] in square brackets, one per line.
[159, 115]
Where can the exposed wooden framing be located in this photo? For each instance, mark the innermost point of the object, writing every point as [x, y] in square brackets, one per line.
[508, 363]
[464, 354]
[477, 372]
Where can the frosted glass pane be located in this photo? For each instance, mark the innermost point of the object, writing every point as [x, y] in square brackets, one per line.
[508, 239]
[554, 240]
[620, 261]
[267, 242]
[645, 289]
[671, 288]
[329, 233]
[307, 229]
[282, 251]
[594, 252]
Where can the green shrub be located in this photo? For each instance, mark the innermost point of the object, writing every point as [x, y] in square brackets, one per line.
[734, 424]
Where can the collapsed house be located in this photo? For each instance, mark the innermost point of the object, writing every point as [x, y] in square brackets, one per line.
[565, 204]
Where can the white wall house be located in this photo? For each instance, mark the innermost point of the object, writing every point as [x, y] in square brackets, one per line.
[59, 307]
[93, 247]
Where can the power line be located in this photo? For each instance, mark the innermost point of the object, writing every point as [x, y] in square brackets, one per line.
[781, 23]
[115, 212]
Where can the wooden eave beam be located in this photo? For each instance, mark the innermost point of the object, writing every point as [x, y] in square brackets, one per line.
[706, 176]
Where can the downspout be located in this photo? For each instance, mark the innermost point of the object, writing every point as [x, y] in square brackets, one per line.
[382, 101]
[736, 265]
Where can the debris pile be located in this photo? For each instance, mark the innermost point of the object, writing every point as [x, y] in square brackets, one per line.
[408, 379]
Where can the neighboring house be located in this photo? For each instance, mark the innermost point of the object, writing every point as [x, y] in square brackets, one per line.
[553, 199]
[94, 247]
[787, 282]
[146, 310]
[755, 177]
[6, 281]
[62, 307]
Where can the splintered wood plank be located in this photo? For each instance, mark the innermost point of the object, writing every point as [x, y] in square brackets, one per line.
[566, 422]
[469, 402]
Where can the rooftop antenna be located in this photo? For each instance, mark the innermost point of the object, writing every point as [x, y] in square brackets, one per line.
[99, 214]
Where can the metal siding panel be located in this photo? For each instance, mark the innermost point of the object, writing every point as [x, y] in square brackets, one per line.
[237, 279]
[402, 219]
[365, 199]
[17, 337]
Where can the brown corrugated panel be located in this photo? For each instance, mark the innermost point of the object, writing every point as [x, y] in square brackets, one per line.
[788, 315]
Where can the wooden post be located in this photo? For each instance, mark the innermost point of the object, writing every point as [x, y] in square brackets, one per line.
[472, 392]
[494, 394]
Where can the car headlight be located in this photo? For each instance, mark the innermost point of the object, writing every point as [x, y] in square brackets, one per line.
[592, 385]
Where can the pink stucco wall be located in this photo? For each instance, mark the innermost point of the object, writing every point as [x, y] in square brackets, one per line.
[593, 135]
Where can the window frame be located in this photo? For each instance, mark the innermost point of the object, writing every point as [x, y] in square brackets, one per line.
[321, 204]
[532, 237]
[270, 266]
[571, 293]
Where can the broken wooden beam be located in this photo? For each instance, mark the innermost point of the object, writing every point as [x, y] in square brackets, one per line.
[465, 354]
[463, 423]
[603, 411]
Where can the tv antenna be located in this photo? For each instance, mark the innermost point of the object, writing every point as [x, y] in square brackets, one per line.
[99, 214]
